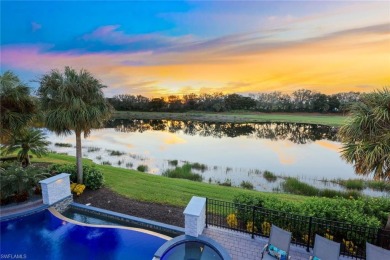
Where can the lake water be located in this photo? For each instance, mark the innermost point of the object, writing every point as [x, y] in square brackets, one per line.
[231, 152]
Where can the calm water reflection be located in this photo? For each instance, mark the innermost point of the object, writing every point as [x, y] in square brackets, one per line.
[296, 133]
[231, 151]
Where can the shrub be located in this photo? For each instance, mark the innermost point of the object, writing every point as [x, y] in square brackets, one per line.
[293, 185]
[199, 167]
[17, 183]
[173, 162]
[129, 165]
[352, 184]
[231, 220]
[249, 227]
[77, 188]
[227, 182]
[362, 211]
[93, 149]
[246, 185]
[93, 178]
[63, 144]
[116, 153]
[106, 163]
[142, 168]
[350, 247]
[183, 172]
[269, 176]
[266, 228]
[378, 185]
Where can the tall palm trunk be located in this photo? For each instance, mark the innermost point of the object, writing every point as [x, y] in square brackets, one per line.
[79, 157]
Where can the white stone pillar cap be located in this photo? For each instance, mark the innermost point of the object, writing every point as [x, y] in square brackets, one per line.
[54, 178]
[195, 206]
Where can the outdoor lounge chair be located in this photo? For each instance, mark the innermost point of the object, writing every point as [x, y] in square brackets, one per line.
[325, 249]
[278, 238]
[376, 252]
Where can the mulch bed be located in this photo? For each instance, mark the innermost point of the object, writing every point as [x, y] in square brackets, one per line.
[107, 199]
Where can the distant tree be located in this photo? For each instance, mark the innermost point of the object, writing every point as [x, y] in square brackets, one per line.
[366, 136]
[302, 99]
[320, 103]
[30, 140]
[334, 103]
[239, 102]
[345, 100]
[157, 104]
[73, 101]
[190, 101]
[174, 103]
[17, 108]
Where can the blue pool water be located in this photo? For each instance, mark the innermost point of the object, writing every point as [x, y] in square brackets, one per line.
[44, 236]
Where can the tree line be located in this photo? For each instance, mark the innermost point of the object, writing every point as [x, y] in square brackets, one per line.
[302, 100]
[296, 133]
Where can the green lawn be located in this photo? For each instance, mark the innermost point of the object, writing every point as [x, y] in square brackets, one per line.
[164, 190]
[250, 117]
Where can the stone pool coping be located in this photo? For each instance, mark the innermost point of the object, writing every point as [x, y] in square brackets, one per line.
[58, 215]
[143, 223]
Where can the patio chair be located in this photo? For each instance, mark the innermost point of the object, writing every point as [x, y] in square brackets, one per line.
[376, 252]
[325, 249]
[280, 239]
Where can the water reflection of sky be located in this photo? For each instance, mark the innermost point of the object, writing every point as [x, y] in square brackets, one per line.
[318, 159]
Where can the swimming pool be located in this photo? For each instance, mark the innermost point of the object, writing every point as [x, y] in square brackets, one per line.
[48, 235]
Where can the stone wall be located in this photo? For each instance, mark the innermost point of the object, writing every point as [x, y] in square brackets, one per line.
[62, 205]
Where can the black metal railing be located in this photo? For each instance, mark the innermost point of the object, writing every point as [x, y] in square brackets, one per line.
[257, 221]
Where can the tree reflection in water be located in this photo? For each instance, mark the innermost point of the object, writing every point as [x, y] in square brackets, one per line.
[296, 133]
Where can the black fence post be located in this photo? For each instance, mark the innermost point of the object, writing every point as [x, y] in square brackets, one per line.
[253, 222]
[309, 235]
[207, 203]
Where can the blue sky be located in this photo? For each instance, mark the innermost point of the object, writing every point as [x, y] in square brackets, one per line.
[161, 48]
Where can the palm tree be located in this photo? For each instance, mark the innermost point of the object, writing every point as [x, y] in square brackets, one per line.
[73, 101]
[31, 140]
[17, 108]
[366, 136]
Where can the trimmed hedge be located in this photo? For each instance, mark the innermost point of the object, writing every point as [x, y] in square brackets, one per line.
[363, 211]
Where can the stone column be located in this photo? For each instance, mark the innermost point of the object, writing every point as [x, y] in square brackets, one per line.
[56, 188]
[195, 216]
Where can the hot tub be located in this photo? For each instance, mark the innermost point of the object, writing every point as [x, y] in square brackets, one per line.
[191, 248]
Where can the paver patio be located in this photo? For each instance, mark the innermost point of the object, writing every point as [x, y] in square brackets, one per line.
[241, 246]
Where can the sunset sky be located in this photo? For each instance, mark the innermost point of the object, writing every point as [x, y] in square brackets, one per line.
[157, 48]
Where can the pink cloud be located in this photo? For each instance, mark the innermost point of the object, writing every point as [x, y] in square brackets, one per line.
[111, 35]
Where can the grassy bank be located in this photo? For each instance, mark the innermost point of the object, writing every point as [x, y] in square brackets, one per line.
[239, 117]
[159, 189]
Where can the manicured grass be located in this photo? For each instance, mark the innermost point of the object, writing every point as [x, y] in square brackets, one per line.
[159, 189]
[253, 117]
